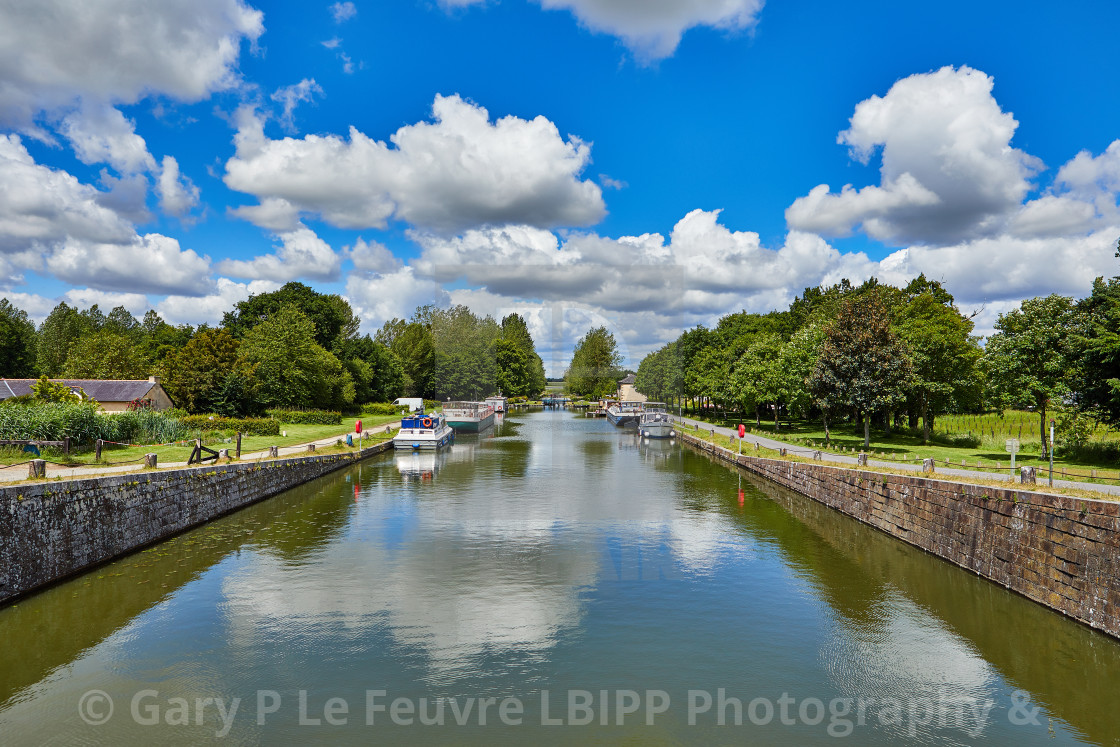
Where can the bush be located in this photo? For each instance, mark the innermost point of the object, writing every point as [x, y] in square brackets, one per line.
[306, 417]
[1094, 452]
[956, 440]
[383, 408]
[246, 426]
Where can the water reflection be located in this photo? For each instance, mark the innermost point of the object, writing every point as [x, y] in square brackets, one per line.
[558, 552]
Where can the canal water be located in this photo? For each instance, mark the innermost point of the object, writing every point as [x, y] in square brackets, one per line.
[554, 580]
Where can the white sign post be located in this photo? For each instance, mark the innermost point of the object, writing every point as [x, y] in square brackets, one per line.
[1012, 445]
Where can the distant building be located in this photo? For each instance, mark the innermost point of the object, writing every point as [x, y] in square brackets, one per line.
[112, 395]
[627, 392]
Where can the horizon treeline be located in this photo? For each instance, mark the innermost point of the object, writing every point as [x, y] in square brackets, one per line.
[291, 348]
[899, 357]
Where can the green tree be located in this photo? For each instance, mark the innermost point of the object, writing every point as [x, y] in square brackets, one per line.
[61, 329]
[863, 365]
[46, 390]
[290, 368]
[464, 355]
[196, 375]
[1028, 360]
[943, 353]
[18, 342]
[594, 370]
[797, 361]
[1096, 345]
[659, 374]
[377, 372]
[107, 355]
[526, 369]
[160, 339]
[331, 315]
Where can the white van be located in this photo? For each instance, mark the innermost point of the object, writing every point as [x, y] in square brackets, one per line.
[412, 403]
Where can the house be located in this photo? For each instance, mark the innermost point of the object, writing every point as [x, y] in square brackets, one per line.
[627, 392]
[112, 395]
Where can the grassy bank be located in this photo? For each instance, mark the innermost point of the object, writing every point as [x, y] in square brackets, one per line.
[956, 449]
[295, 435]
[1041, 487]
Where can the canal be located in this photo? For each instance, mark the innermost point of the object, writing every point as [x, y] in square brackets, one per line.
[551, 581]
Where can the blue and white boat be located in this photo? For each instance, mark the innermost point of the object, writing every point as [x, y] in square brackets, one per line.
[420, 431]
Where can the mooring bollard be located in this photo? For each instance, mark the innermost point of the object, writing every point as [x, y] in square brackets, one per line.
[756, 447]
[37, 468]
[151, 461]
[274, 451]
[311, 447]
[781, 452]
[239, 444]
[927, 465]
[861, 459]
[223, 453]
[1028, 475]
[97, 451]
[817, 456]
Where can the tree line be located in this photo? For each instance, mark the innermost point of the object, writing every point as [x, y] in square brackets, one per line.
[900, 357]
[291, 348]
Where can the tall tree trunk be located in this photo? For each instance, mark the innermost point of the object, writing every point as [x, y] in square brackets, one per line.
[926, 425]
[866, 431]
[826, 433]
[1042, 428]
[757, 417]
[777, 425]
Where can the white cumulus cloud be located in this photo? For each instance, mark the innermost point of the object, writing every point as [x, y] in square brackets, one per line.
[152, 263]
[301, 254]
[457, 172]
[40, 206]
[209, 309]
[56, 52]
[653, 28]
[177, 193]
[948, 170]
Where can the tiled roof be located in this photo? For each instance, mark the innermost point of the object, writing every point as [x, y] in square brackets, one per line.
[628, 380]
[102, 390]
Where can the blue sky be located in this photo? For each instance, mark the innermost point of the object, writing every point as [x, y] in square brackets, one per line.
[647, 165]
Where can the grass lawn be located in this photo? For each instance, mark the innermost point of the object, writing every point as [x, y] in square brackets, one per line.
[296, 434]
[902, 445]
[1041, 487]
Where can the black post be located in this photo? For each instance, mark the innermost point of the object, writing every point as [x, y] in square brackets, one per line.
[97, 450]
[239, 444]
[66, 445]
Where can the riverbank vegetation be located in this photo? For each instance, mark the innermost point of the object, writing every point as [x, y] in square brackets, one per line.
[902, 364]
[292, 349]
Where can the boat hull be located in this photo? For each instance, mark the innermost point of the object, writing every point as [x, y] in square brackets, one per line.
[471, 425]
[622, 418]
[660, 429]
[430, 440]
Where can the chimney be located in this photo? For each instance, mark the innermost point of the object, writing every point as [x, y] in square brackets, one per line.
[153, 379]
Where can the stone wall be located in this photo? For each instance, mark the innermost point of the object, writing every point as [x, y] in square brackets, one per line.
[52, 530]
[1061, 552]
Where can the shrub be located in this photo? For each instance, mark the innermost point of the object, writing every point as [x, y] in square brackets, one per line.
[306, 417]
[383, 408]
[956, 440]
[246, 426]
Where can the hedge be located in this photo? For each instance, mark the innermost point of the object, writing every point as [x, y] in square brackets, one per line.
[245, 426]
[306, 417]
[383, 408]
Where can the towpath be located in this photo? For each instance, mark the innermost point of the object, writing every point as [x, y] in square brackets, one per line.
[803, 451]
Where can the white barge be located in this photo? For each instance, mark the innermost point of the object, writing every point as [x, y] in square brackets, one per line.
[420, 431]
